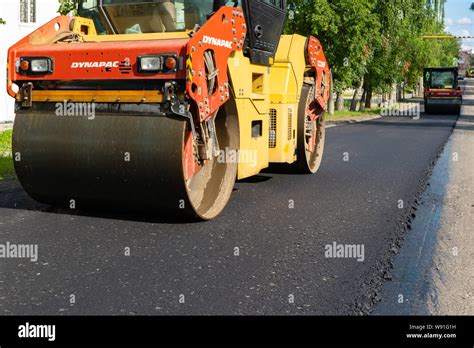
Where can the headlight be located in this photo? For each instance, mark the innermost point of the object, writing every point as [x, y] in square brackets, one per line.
[151, 64]
[35, 65]
[39, 65]
[164, 64]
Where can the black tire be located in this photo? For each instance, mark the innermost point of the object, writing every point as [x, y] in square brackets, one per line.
[427, 109]
[458, 110]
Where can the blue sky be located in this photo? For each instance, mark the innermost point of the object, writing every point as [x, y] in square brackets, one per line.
[460, 20]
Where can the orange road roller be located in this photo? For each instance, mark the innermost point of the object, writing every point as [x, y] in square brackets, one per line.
[442, 93]
[160, 106]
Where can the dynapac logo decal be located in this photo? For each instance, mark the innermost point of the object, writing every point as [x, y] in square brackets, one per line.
[79, 65]
[216, 42]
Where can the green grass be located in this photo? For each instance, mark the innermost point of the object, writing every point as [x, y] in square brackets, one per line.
[6, 161]
[345, 114]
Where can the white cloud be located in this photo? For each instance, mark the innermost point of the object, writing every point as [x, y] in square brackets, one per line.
[464, 32]
[448, 21]
[464, 21]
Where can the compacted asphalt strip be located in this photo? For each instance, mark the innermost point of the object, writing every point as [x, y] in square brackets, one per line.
[268, 253]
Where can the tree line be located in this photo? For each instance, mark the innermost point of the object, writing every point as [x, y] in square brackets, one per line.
[375, 46]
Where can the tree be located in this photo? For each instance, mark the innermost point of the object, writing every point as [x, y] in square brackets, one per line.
[404, 53]
[68, 6]
[2, 21]
[375, 44]
[437, 6]
[347, 29]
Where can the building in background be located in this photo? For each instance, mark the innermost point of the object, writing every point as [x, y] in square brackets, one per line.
[464, 61]
[21, 17]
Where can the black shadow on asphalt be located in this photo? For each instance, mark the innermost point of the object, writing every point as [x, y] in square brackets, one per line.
[12, 196]
[255, 179]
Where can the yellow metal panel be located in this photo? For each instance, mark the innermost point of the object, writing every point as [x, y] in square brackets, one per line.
[285, 137]
[283, 48]
[97, 96]
[81, 23]
[255, 149]
[251, 85]
[243, 74]
[285, 90]
[287, 77]
[259, 89]
[291, 57]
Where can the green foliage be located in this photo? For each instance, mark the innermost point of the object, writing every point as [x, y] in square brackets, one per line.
[348, 29]
[345, 114]
[68, 6]
[437, 8]
[6, 168]
[2, 21]
[5, 142]
[6, 162]
[377, 41]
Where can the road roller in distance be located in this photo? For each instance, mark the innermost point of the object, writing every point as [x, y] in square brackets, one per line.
[442, 93]
[187, 96]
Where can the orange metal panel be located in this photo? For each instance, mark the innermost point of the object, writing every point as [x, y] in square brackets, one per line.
[223, 33]
[99, 61]
[318, 61]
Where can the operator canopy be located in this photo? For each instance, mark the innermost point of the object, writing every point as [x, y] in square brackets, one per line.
[148, 16]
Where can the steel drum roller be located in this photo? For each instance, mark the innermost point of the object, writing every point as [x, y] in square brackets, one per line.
[72, 158]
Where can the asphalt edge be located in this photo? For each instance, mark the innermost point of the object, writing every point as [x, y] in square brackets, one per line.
[382, 271]
[337, 123]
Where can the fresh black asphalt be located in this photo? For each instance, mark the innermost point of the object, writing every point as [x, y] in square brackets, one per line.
[267, 248]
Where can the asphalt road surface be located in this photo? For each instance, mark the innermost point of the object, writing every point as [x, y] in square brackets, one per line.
[265, 255]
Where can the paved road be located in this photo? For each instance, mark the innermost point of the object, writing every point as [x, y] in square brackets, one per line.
[281, 251]
[434, 272]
